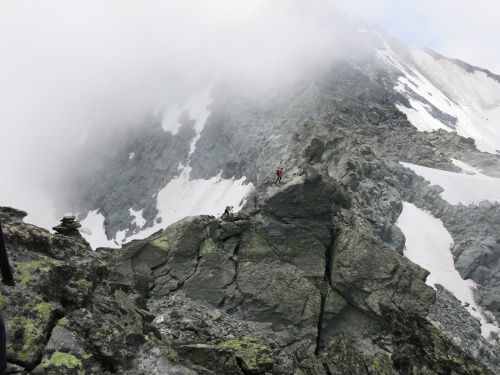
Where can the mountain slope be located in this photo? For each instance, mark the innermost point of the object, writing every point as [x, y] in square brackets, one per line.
[353, 121]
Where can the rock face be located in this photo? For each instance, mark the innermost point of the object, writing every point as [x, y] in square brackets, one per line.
[313, 281]
[344, 117]
[298, 286]
[141, 159]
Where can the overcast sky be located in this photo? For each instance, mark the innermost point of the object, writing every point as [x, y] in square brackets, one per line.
[467, 30]
[67, 65]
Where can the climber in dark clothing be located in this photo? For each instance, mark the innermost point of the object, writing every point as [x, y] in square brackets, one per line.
[255, 199]
[279, 172]
[227, 212]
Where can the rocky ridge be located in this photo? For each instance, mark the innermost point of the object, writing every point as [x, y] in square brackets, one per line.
[300, 285]
[343, 131]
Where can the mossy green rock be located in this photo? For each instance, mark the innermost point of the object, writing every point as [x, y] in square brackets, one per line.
[67, 348]
[371, 276]
[28, 325]
[267, 283]
[255, 358]
[44, 287]
[62, 363]
[302, 245]
[212, 358]
[167, 258]
[342, 357]
[27, 237]
[271, 288]
[214, 273]
[421, 348]
[314, 199]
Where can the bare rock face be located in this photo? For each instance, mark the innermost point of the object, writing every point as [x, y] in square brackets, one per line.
[311, 282]
[374, 278]
[282, 290]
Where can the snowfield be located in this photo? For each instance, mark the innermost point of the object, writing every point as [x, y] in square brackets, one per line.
[428, 242]
[444, 95]
[181, 197]
[428, 245]
[461, 188]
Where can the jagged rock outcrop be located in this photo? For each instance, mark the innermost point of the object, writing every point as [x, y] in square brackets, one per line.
[297, 286]
[259, 293]
[343, 116]
[317, 268]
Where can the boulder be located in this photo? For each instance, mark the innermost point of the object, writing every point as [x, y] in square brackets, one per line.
[371, 276]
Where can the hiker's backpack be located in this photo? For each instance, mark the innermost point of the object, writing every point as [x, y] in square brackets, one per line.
[278, 172]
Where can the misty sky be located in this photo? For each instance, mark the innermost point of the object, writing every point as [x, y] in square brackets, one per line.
[467, 30]
[67, 66]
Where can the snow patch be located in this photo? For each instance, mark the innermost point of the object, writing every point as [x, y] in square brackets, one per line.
[138, 219]
[120, 237]
[182, 197]
[131, 155]
[170, 118]
[196, 106]
[209, 197]
[428, 245]
[94, 224]
[443, 95]
[459, 187]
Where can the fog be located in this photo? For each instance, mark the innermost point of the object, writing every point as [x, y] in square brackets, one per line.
[457, 29]
[70, 66]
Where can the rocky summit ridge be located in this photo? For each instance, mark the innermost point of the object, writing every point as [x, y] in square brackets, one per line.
[310, 281]
[344, 119]
[296, 286]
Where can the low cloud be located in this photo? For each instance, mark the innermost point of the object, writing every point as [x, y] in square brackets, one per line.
[70, 66]
[463, 30]
[67, 67]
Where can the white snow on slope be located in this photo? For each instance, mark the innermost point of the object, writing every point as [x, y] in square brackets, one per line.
[428, 245]
[138, 218]
[461, 188]
[472, 99]
[466, 168]
[170, 118]
[181, 197]
[93, 231]
[427, 240]
[196, 105]
[207, 196]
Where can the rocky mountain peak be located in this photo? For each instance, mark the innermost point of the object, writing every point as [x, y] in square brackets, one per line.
[300, 283]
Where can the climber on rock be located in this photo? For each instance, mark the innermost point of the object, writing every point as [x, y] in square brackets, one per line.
[279, 173]
[227, 212]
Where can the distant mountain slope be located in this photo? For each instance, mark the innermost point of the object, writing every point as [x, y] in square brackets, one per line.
[380, 104]
[448, 94]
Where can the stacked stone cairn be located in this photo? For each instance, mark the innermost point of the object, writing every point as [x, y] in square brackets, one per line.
[68, 227]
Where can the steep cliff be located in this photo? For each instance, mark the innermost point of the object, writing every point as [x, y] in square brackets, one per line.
[300, 284]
